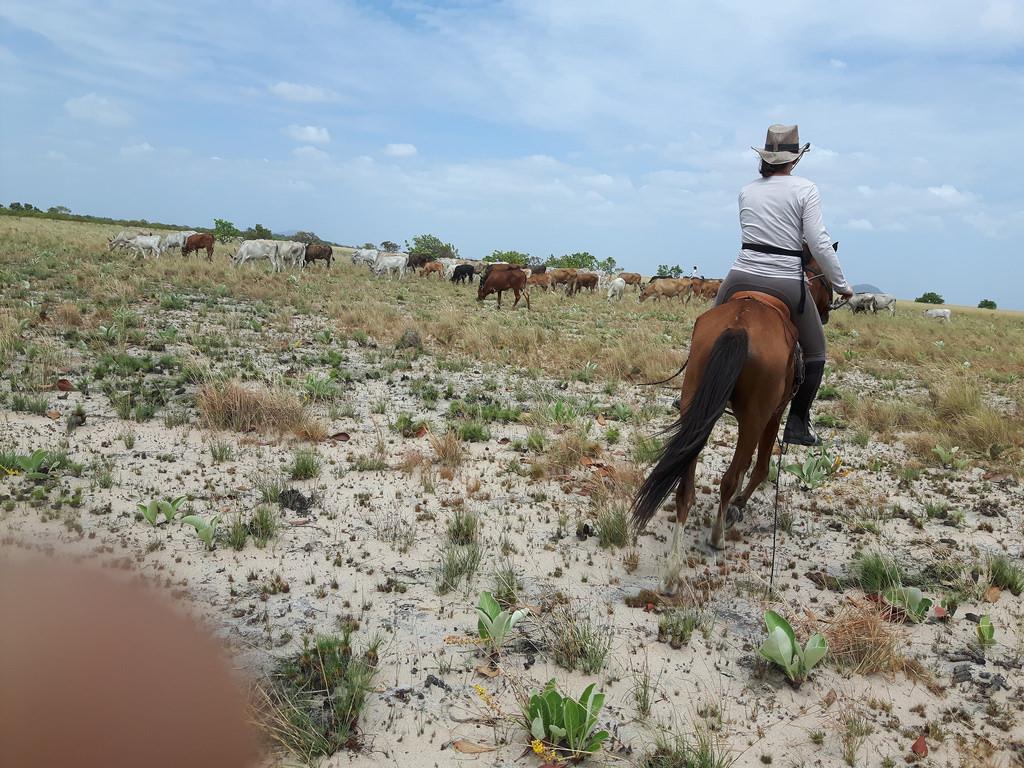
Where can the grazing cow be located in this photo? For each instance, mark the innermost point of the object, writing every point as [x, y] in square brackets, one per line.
[884, 301]
[414, 260]
[861, 302]
[665, 288]
[503, 277]
[364, 256]
[123, 238]
[616, 288]
[140, 245]
[588, 280]
[540, 269]
[291, 253]
[254, 250]
[703, 288]
[176, 239]
[562, 277]
[939, 314]
[543, 281]
[462, 273]
[631, 278]
[386, 262]
[432, 268]
[196, 243]
[319, 252]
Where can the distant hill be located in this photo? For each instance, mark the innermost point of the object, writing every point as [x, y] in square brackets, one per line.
[867, 288]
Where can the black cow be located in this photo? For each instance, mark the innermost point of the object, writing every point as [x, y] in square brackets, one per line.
[462, 273]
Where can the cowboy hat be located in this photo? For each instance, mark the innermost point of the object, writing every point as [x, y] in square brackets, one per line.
[782, 145]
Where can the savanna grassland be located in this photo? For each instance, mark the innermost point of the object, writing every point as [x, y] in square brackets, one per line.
[328, 469]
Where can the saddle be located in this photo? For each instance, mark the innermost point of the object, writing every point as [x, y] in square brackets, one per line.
[792, 336]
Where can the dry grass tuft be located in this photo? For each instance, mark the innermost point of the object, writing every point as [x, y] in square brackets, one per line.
[230, 405]
[447, 448]
[861, 641]
[68, 315]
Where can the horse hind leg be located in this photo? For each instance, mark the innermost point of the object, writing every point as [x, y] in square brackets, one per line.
[685, 494]
[745, 444]
[764, 454]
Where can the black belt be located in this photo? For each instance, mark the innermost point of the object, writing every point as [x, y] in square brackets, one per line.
[773, 249]
[776, 251]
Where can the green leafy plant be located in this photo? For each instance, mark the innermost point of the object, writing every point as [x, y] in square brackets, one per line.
[166, 507]
[566, 724]
[818, 467]
[36, 465]
[494, 623]
[911, 600]
[206, 529]
[986, 631]
[782, 648]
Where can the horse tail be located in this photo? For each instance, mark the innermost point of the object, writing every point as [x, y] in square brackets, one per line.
[689, 434]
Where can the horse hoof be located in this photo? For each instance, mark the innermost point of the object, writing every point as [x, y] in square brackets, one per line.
[733, 515]
[717, 544]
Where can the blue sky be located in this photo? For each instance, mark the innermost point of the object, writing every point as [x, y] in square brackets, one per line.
[619, 128]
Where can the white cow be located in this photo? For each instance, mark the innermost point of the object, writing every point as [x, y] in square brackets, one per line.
[616, 288]
[884, 301]
[862, 302]
[938, 314]
[140, 245]
[390, 261]
[364, 256]
[291, 253]
[176, 239]
[254, 250]
[449, 267]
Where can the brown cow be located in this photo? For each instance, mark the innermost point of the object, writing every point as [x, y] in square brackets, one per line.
[543, 280]
[319, 251]
[665, 288]
[503, 277]
[586, 280]
[632, 278]
[197, 243]
[562, 277]
[432, 267]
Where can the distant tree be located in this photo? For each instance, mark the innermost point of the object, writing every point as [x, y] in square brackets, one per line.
[512, 257]
[15, 206]
[580, 260]
[986, 304]
[257, 232]
[664, 270]
[431, 248]
[368, 247]
[306, 237]
[930, 297]
[59, 209]
[224, 230]
[389, 246]
[607, 265]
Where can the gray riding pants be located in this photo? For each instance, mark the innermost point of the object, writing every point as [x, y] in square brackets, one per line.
[808, 324]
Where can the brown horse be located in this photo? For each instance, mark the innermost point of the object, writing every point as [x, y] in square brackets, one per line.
[742, 353]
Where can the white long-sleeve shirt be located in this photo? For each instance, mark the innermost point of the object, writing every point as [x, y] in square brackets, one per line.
[785, 211]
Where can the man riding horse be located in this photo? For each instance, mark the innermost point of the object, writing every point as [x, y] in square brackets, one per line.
[778, 214]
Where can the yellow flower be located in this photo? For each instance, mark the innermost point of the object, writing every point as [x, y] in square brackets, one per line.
[538, 746]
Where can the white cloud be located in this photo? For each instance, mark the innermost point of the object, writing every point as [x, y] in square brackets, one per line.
[142, 148]
[837, 63]
[310, 134]
[54, 155]
[301, 92]
[863, 225]
[400, 150]
[96, 109]
[950, 194]
[310, 153]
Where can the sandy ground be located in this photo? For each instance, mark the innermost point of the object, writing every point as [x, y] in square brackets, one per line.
[335, 559]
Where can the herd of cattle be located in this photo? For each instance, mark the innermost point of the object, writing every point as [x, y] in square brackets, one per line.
[495, 277]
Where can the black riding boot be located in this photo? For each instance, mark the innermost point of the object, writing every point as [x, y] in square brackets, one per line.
[798, 425]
